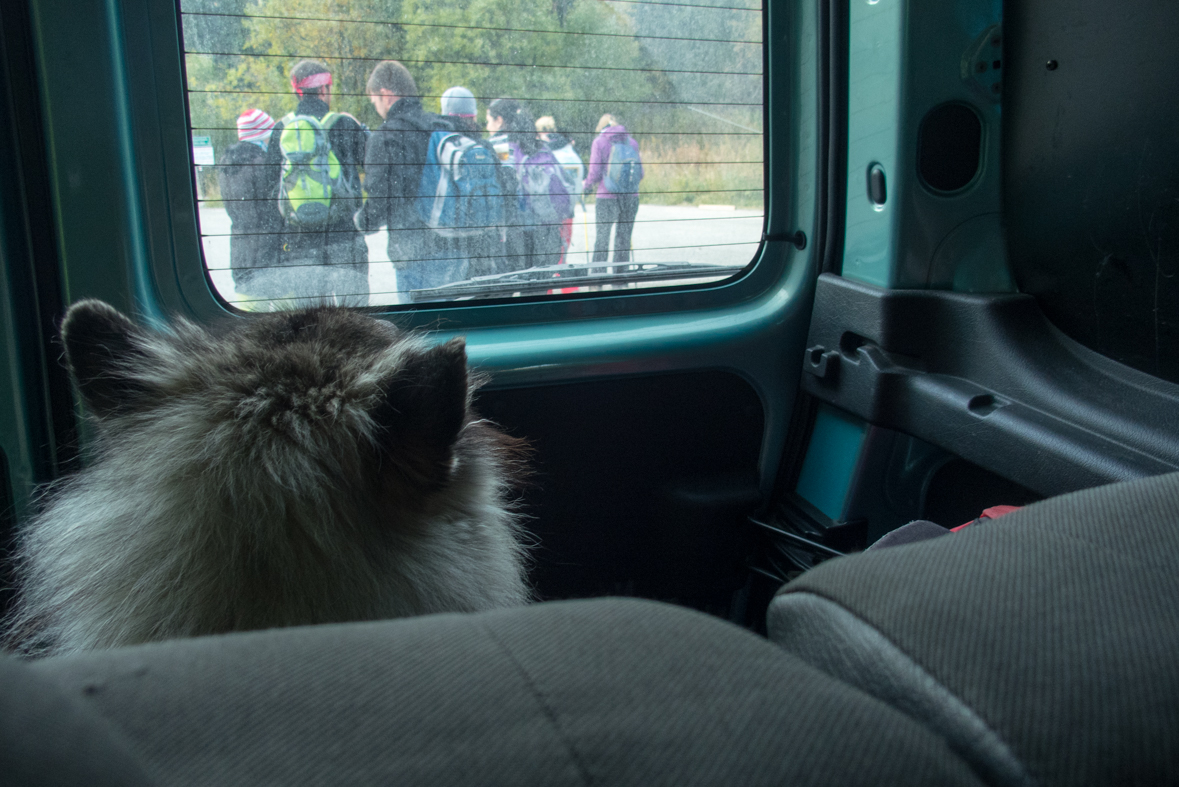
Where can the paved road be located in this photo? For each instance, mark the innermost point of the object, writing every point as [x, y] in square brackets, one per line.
[662, 233]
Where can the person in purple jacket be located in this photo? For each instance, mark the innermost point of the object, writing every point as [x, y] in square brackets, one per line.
[616, 171]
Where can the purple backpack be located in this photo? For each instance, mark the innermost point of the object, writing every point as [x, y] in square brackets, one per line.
[544, 196]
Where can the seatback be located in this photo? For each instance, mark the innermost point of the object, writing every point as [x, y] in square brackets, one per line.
[607, 692]
[51, 736]
[1041, 645]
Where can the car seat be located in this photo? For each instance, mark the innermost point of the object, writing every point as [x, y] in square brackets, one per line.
[1041, 646]
[608, 692]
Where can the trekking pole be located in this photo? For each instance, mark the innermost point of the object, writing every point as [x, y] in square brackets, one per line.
[630, 243]
[585, 226]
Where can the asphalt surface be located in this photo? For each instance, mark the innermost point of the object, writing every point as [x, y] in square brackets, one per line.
[715, 235]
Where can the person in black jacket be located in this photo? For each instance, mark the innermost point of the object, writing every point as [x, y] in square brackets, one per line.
[332, 261]
[255, 223]
[393, 172]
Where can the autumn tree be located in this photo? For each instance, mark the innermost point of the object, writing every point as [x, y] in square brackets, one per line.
[496, 48]
[519, 49]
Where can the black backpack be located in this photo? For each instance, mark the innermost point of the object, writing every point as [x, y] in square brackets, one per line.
[245, 183]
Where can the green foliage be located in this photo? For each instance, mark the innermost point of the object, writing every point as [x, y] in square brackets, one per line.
[710, 55]
[279, 33]
[704, 171]
[558, 71]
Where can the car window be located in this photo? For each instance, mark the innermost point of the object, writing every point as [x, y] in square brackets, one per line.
[538, 148]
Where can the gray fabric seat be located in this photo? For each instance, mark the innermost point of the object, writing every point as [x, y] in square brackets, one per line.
[48, 736]
[1043, 645]
[605, 692]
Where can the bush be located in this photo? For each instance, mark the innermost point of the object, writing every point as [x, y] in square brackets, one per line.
[713, 170]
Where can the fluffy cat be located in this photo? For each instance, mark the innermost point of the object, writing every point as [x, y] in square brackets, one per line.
[305, 467]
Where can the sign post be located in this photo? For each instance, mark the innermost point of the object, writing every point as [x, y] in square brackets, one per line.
[202, 156]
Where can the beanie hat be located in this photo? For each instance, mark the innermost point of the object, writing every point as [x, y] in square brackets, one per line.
[254, 125]
[459, 101]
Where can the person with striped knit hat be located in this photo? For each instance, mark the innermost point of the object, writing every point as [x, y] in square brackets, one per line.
[254, 125]
[255, 233]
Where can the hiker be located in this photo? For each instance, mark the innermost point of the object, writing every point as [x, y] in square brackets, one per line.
[429, 248]
[485, 251]
[571, 167]
[255, 232]
[319, 153]
[499, 112]
[543, 202]
[458, 106]
[615, 168]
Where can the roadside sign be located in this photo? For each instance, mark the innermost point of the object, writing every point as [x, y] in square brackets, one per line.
[202, 151]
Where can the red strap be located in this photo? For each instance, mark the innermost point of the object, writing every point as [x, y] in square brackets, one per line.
[994, 512]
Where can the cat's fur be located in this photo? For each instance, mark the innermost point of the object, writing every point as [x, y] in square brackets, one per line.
[310, 466]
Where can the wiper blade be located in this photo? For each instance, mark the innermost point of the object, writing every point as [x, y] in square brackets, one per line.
[538, 281]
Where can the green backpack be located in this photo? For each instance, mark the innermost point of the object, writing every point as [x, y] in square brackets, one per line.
[314, 188]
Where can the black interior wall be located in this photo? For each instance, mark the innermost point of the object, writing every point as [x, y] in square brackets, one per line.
[1091, 171]
[641, 485]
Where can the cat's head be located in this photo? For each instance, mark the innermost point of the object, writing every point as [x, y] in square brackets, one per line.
[316, 385]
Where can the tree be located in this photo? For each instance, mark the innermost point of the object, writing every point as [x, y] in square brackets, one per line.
[496, 48]
[212, 31]
[519, 49]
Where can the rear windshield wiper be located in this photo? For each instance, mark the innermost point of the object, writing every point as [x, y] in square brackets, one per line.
[538, 281]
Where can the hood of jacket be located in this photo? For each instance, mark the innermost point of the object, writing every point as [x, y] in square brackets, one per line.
[615, 133]
[313, 106]
[404, 106]
[557, 140]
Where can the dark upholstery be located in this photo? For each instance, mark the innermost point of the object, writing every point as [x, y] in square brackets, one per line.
[1044, 646]
[605, 692]
[48, 737]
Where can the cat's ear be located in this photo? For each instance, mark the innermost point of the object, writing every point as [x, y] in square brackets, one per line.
[103, 350]
[423, 408]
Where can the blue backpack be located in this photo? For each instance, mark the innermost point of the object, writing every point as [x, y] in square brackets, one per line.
[544, 196]
[623, 171]
[460, 193]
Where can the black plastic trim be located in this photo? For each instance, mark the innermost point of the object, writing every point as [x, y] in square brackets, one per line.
[832, 199]
[31, 256]
[988, 378]
[945, 146]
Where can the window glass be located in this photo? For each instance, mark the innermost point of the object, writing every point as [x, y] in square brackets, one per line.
[511, 148]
